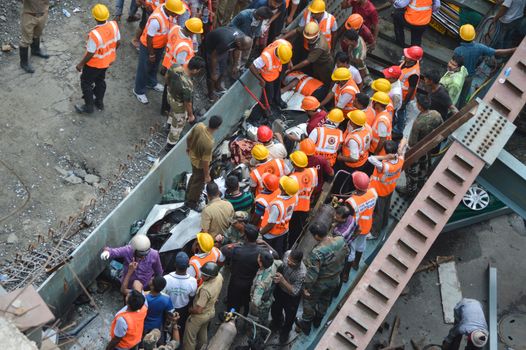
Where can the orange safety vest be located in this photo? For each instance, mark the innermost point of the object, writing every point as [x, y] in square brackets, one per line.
[265, 199]
[273, 66]
[390, 108]
[308, 180]
[350, 87]
[161, 37]
[196, 262]
[273, 166]
[328, 142]
[105, 38]
[285, 207]
[419, 12]
[404, 79]
[326, 24]
[362, 136]
[177, 43]
[153, 4]
[384, 117]
[306, 85]
[135, 322]
[371, 114]
[363, 209]
[385, 182]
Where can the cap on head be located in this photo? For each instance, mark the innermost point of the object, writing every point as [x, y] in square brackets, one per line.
[270, 181]
[175, 6]
[239, 216]
[181, 260]
[260, 152]
[100, 12]
[210, 269]
[341, 74]
[264, 134]
[317, 6]
[414, 53]
[195, 25]
[289, 185]
[355, 21]
[336, 115]
[308, 147]
[284, 52]
[358, 117]
[393, 72]
[467, 32]
[310, 103]
[205, 241]
[382, 85]
[479, 338]
[360, 180]
[141, 244]
[299, 159]
[311, 31]
[381, 97]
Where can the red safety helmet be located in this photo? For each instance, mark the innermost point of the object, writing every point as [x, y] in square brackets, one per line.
[360, 180]
[265, 133]
[414, 53]
[270, 181]
[392, 72]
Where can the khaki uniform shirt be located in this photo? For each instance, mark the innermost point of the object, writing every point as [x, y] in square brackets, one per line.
[36, 6]
[216, 216]
[321, 60]
[208, 294]
[200, 144]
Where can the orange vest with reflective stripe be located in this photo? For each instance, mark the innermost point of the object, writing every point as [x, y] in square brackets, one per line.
[404, 79]
[153, 4]
[328, 143]
[265, 199]
[285, 207]
[308, 180]
[135, 322]
[370, 113]
[105, 38]
[306, 84]
[419, 12]
[385, 182]
[326, 24]
[350, 87]
[385, 118]
[160, 38]
[273, 166]
[362, 136]
[390, 108]
[176, 44]
[273, 66]
[196, 262]
[363, 209]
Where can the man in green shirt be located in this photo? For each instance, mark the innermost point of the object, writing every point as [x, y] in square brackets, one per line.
[453, 79]
[180, 96]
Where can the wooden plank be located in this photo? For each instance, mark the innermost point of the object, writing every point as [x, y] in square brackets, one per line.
[449, 289]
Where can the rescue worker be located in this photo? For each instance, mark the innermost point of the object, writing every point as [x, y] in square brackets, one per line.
[203, 307]
[32, 22]
[180, 95]
[276, 230]
[343, 92]
[236, 232]
[414, 15]
[218, 212]
[139, 251]
[409, 78]
[317, 116]
[355, 148]
[304, 84]
[151, 50]
[277, 167]
[179, 50]
[342, 60]
[128, 324]
[319, 59]
[355, 22]
[324, 265]
[264, 198]
[204, 252]
[103, 41]
[276, 149]
[387, 170]
[383, 85]
[392, 74]
[362, 202]
[356, 48]
[382, 126]
[362, 102]
[262, 291]
[307, 179]
[470, 322]
[322, 166]
[328, 138]
[268, 68]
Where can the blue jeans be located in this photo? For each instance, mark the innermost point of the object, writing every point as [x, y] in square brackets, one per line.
[400, 120]
[120, 5]
[146, 76]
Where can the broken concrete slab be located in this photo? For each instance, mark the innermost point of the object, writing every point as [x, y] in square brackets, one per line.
[449, 289]
[72, 179]
[12, 238]
[12, 338]
[91, 179]
[61, 171]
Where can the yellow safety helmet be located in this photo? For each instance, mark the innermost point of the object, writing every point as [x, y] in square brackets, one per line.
[284, 53]
[467, 32]
[175, 6]
[358, 117]
[382, 85]
[381, 97]
[341, 74]
[205, 241]
[100, 12]
[289, 185]
[317, 6]
[260, 152]
[195, 25]
[336, 115]
[299, 159]
[311, 31]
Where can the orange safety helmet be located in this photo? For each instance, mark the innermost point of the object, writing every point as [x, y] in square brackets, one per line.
[310, 103]
[355, 21]
[308, 147]
[270, 181]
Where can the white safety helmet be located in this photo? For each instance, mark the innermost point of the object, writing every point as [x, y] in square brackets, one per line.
[479, 338]
[141, 244]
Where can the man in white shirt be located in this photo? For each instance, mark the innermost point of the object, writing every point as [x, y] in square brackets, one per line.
[393, 74]
[181, 287]
[342, 60]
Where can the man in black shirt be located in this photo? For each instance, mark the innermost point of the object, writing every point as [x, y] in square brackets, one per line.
[220, 45]
[438, 95]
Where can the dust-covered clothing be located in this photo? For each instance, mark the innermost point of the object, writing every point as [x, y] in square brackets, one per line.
[261, 293]
[33, 20]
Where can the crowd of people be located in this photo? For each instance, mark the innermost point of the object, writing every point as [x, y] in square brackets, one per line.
[357, 132]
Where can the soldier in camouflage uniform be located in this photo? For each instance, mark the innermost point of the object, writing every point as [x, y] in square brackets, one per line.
[180, 96]
[236, 232]
[261, 294]
[424, 124]
[324, 265]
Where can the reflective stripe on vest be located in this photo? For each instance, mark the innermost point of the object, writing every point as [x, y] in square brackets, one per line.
[363, 209]
[160, 38]
[286, 208]
[362, 137]
[265, 199]
[350, 87]
[384, 117]
[326, 23]
[105, 38]
[135, 322]
[404, 79]
[307, 85]
[273, 66]
[273, 166]
[198, 262]
[308, 180]
[328, 143]
[153, 4]
[385, 182]
[176, 44]
[419, 12]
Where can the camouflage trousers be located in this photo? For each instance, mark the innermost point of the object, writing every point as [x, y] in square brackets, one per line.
[416, 175]
[320, 297]
[261, 314]
[177, 121]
